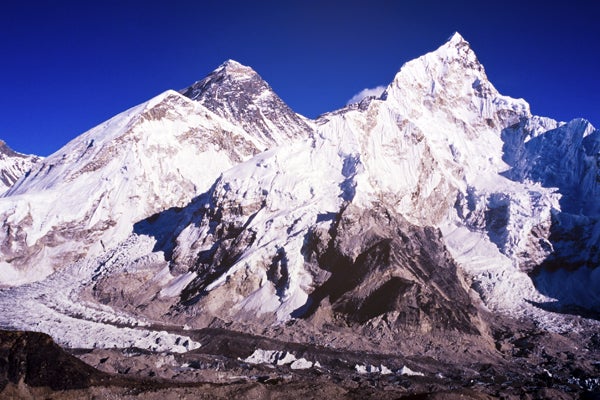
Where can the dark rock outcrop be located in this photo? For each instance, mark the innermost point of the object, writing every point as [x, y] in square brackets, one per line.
[36, 360]
[384, 267]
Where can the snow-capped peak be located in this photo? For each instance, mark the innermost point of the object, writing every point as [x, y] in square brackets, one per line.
[237, 93]
[458, 49]
[227, 73]
[159, 154]
[232, 67]
[454, 60]
[451, 79]
[456, 38]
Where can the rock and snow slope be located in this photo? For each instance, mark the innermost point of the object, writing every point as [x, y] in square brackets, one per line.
[13, 165]
[236, 92]
[226, 206]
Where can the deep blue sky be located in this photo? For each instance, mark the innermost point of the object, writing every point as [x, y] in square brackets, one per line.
[66, 66]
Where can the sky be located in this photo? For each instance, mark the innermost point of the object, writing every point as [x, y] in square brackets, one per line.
[66, 66]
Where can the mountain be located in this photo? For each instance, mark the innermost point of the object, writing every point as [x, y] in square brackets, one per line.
[236, 92]
[439, 221]
[432, 152]
[84, 198]
[13, 165]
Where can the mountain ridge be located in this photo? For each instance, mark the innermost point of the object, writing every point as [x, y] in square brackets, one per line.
[101, 173]
[427, 221]
[441, 81]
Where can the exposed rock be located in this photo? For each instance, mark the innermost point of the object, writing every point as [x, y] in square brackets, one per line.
[34, 359]
[382, 267]
[237, 92]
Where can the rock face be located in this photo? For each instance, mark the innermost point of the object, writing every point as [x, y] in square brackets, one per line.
[236, 92]
[383, 267]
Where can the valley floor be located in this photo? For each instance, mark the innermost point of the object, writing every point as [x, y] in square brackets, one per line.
[226, 366]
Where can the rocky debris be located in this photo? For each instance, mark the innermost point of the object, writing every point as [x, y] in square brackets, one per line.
[33, 366]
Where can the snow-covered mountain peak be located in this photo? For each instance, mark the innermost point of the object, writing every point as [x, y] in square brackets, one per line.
[451, 80]
[457, 46]
[228, 74]
[232, 67]
[238, 94]
[459, 49]
[456, 39]
[452, 63]
[159, 154]
[230, 70]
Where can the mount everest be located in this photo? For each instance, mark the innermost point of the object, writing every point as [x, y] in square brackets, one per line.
[405, 222]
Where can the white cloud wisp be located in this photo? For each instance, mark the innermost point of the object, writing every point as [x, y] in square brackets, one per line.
[376, 91]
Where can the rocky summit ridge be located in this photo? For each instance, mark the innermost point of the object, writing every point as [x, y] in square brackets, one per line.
[441, 223]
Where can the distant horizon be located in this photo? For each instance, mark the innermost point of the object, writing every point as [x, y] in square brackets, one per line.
[68, 67]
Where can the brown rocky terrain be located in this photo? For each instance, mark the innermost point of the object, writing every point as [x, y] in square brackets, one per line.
[528, 365]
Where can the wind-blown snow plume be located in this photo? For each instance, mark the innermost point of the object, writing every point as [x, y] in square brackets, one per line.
[358, 97]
